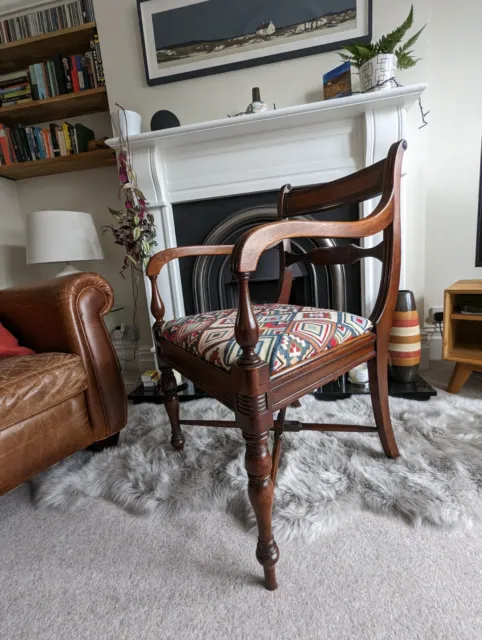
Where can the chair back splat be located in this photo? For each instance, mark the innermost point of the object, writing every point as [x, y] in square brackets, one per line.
[259, 359]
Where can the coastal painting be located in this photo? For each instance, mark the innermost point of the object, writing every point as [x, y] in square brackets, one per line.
[191, 38]
[337, 82]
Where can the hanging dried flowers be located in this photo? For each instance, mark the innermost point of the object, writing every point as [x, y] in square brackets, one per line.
[134, 228]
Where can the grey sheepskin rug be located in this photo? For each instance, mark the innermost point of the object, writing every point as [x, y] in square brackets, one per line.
[323, 477]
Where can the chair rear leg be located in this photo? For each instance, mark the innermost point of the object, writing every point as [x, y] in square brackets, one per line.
[278, 439]
[171, 402]
[378, 372]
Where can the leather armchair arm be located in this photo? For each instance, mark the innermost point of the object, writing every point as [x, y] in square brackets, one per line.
[65, 315]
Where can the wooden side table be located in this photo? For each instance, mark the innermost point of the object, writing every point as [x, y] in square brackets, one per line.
[462, 339]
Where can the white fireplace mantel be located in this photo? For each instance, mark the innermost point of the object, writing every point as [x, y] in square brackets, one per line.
[299, 145]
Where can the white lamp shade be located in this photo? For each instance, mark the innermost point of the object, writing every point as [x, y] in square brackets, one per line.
[61, 236]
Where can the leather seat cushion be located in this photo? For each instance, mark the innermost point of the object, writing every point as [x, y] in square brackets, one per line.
[288, 334]
[31, 384]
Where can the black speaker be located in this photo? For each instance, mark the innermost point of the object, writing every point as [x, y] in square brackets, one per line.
[164, 120]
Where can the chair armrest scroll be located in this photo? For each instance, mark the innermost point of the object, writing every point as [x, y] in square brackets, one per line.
[157, 262]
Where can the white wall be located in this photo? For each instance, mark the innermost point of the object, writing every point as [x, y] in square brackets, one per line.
[12, 243]
[286, 83]
[454, 146]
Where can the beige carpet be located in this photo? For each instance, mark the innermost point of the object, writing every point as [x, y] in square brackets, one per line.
[98, 573]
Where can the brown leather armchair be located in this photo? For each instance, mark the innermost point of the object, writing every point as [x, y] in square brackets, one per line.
[71, 393]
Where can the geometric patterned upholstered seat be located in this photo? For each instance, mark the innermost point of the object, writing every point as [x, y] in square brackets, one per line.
[288, 334]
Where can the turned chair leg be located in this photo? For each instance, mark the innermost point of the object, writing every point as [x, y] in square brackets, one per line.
[378, 373]
[278, 440]
[171, 402]
[261, 496]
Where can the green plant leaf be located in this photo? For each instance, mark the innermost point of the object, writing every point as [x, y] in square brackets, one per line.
[136, 220]
[411, 41]
[388, 43]
[137, 233]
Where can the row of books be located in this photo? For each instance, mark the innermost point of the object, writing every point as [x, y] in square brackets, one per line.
[15, 87]
[36, 23]
[61, 75]
[24, 144]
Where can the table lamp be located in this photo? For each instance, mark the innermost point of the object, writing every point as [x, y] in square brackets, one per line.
[62, 236]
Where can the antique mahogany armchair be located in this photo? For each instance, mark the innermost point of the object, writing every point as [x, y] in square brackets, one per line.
[258, 360]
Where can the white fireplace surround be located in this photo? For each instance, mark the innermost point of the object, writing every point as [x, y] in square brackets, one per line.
[299, 145]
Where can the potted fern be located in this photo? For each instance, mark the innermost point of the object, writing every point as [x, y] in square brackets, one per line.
[377, 62]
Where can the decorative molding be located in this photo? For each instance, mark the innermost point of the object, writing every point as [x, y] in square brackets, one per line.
[281, 119]
[252, 405]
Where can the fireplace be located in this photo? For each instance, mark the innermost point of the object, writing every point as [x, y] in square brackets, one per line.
[207, 282]
[196, 176]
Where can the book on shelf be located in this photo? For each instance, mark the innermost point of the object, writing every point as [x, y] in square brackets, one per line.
[15, 88]
[26, 144]
[55, 77]
[37, 23]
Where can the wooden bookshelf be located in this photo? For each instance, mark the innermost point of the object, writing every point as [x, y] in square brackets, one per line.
[462, 340]
[66, 164]
[16, 56]
[57, 108]
[474, 317]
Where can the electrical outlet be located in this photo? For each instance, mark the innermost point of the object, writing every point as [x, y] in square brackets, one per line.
[433, 311]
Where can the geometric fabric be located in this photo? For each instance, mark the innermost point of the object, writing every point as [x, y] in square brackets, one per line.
[288, 334]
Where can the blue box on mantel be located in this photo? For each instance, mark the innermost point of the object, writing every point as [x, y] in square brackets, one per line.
[337, 82]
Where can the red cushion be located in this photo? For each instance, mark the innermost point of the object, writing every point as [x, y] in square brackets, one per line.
[9, 345]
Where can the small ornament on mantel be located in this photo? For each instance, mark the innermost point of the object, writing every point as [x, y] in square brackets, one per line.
[257, 105]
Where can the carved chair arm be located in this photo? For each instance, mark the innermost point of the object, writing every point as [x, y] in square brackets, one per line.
[249, 248]
[157, 262]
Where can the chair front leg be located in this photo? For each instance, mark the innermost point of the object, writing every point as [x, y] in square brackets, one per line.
[256, 425]
[261, 496]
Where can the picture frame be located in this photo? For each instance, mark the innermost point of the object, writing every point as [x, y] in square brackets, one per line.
[183, 39]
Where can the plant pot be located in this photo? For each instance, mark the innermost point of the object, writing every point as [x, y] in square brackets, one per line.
[127, 123]
[405, 347]
[375, 73]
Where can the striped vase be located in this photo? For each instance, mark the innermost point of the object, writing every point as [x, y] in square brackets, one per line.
[405, 347]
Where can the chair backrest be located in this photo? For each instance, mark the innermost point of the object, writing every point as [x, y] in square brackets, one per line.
[380, 179]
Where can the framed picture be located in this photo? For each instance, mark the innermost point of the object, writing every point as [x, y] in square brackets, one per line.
[191, 38]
